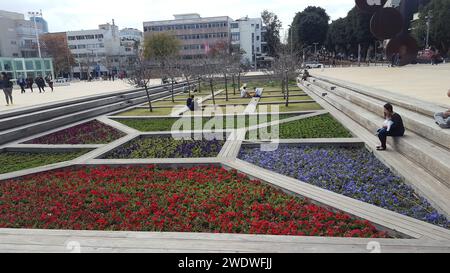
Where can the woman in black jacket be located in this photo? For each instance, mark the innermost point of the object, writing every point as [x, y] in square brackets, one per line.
[394, 126]
[7, 86]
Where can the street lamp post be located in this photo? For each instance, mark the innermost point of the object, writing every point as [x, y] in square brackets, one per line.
[428, 30]
[34, 14]
[315, 49]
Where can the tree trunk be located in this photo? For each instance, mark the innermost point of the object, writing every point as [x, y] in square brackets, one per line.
[234, 85]
[148, 98]
[199, 85]
[283, 85]
[189, 86]
[212, 91]
[287, 90]
[239, 80]
[173, 97]
[226, 87]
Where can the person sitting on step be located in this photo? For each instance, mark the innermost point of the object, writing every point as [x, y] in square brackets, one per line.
[443, 119]
[258, 92]
[393, 126]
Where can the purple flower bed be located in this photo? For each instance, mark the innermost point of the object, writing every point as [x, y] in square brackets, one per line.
[92, 132]
[353, 172]
[166, 147]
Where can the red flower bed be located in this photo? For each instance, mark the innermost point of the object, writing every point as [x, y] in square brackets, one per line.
[92, 132]
[202, 199]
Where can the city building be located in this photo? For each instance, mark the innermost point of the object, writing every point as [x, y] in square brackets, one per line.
[97, 52]
[197, 34]
[26, 67]
[40, 20]
[132, 41]
[248, 34]
[18, 35]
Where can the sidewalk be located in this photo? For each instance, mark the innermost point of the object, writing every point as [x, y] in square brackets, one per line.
[423, 82]
[75, 90]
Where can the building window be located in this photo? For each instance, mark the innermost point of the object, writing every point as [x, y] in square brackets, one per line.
[29, 65]
[234, 25]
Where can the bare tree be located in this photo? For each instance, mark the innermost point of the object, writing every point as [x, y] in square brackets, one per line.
[139, 75]
[285, 68]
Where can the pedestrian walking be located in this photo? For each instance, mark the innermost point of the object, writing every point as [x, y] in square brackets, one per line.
[30, 83]
[7, 85]
[22, 83]
[49, 81]
[40, 83]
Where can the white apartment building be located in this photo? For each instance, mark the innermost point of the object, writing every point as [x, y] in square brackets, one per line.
[18, 35]
[131, 40]
[249, 35]
[102, 51]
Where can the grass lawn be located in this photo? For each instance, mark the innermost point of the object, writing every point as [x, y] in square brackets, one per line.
[16, 161]
[293, 107]
[281, 99]
[231, 101]
[138, 112]
[323, 126]
[165, 124]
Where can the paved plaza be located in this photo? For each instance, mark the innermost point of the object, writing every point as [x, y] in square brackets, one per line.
[72, 91]
[423, 82]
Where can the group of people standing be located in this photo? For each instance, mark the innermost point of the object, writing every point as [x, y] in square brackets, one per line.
[40, 82]
[6, 84]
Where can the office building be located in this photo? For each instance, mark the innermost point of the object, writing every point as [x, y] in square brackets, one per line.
[97, 52]
[197, 35]
[18, 35]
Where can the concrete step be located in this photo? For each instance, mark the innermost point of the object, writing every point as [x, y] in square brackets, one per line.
[423, 152]
[58, 121]
[46, 113]
[416, 122]
[410, 103]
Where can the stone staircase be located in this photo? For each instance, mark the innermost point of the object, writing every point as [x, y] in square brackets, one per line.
[34, 120]
[425, 143]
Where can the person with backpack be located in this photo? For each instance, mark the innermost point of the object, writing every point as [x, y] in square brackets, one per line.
[7, 85]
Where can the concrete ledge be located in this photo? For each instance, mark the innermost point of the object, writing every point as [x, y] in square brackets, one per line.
[26, 240]
[416, 122]
[412, 104]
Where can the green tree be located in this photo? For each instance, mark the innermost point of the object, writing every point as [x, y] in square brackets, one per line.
[162, 49]
[346, 34]
[273, 27]
[161, 46]
[309, 26]
[439, 13]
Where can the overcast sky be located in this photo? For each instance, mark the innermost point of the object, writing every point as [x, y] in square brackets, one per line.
[63, 15]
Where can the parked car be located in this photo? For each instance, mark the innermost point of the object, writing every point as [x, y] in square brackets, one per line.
[426, 56]
[313, 64]
[61, 80]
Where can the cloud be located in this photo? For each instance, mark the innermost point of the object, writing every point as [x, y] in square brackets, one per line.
[88, 14]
